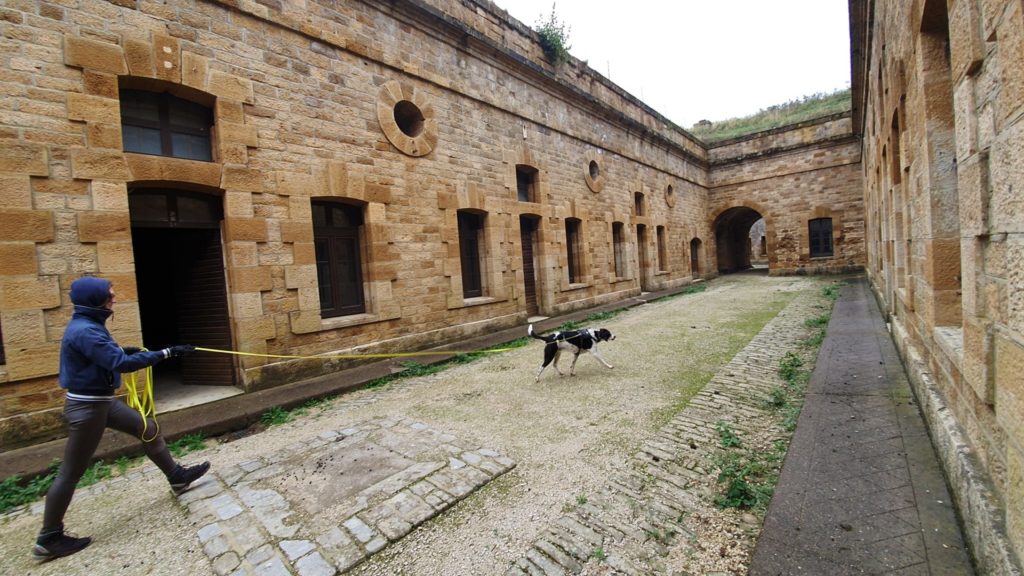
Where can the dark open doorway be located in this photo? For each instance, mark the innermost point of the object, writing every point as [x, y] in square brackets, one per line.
[182, 290]
[528, 232]
[732, 239]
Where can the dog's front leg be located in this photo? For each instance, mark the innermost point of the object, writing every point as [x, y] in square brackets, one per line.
[599, 359]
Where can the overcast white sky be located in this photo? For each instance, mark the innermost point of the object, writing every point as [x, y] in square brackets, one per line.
[706, 59]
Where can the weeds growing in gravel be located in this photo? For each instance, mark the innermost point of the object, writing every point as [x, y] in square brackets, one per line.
[748, 474]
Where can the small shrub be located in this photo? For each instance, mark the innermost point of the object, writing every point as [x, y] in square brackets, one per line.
[554, 38]
[599, 554]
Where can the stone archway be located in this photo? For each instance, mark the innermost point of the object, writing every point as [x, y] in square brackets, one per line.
[732, 238]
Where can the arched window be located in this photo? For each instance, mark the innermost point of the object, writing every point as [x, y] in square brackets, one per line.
[339, 266]
[820, 234]
[160, 124]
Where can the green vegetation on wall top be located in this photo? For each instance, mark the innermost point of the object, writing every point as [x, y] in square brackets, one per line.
[554, 38]
[792, 112]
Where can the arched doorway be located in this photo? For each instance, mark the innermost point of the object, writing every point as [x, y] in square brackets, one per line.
[695, 248]
[182, 290]
[642, 258]
[732, 238]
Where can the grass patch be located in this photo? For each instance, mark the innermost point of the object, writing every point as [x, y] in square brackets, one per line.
[187, 443]
[691, 289]
[14, 492]
[98, 471]
[275, 416]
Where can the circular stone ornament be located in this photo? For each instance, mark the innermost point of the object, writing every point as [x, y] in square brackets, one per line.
[592, 174]
[407, 117]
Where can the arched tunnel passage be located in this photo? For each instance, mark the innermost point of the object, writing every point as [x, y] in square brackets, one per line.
[732, 238]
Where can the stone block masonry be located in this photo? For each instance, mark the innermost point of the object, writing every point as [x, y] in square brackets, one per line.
[325, 505]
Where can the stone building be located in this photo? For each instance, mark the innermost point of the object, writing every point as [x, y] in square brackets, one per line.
[939, 100]
[351, 177]
[354, 178]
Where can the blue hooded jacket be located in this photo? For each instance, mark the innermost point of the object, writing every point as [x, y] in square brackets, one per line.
[91, 362]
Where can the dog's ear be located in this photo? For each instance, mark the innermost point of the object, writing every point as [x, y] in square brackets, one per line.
[606, 335]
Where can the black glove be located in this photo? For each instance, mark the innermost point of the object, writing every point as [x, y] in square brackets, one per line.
[180, 350]
[129, 350]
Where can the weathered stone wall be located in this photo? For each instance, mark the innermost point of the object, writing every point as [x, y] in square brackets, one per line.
[943, 140]
[303, 97]
[303, 100]
[790, 176]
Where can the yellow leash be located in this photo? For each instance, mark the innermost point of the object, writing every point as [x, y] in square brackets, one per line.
[327, 356]
[141, 400]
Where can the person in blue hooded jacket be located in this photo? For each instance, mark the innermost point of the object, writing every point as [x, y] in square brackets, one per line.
[91, 364]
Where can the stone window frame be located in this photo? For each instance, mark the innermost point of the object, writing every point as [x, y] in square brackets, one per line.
[574, 250]
[474, 285]
[639, 204]
[166, 97]
[661, 248]
[619, 249]
[394, 95]
[343, 185]
[812, 240]
[362, 255]
[532, 176]
[670, 195]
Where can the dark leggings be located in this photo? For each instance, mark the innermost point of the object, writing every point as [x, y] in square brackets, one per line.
[86, 423]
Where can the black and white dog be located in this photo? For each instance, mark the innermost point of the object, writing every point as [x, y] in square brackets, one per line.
[575, 341]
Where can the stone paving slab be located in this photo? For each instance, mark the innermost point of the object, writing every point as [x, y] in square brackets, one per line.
[320, 507]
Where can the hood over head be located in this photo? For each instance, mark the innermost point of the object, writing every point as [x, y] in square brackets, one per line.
[90, 291]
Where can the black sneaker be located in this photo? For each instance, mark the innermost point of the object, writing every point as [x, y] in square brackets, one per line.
[181, 478]
[62, 544]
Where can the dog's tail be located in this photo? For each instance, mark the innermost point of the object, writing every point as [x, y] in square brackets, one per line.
[530, 331]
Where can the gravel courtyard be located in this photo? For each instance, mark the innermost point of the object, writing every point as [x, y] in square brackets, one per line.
[567, 437]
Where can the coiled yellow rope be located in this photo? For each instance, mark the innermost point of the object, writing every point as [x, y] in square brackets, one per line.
[142, 400]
